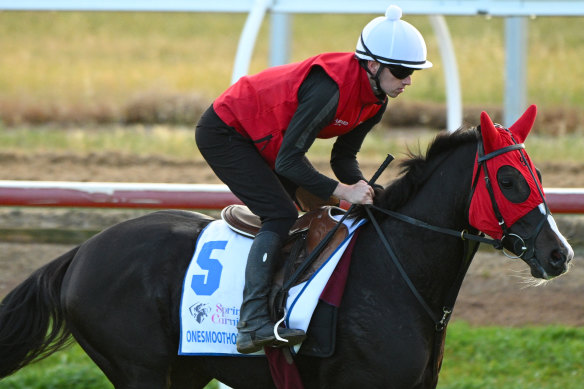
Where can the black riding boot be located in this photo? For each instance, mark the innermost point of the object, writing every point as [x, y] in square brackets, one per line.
[255, 328]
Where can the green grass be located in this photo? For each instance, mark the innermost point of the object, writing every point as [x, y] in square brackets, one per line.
[67, 369]
[518, 358]
[107, 58]
[475, 358]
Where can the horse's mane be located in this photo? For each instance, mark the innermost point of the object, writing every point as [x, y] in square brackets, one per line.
[417, 168]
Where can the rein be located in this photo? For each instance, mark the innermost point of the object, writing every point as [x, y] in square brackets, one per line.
[322, 244]
[469, 248]
[464, 234]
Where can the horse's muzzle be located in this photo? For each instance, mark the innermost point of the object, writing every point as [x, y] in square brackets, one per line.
[555, 265]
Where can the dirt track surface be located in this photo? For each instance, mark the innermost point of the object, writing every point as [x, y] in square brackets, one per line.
[494, 291]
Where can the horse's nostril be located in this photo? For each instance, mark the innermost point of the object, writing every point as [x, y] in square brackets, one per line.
[558, 259]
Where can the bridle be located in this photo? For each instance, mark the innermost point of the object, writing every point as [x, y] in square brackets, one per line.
[525, 246]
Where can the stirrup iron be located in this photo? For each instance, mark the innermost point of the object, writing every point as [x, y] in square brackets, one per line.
[276, 335]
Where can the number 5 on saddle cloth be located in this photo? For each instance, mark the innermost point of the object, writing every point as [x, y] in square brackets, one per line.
[211, 329]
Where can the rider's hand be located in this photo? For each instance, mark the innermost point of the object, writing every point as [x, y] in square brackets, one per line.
[359, 193]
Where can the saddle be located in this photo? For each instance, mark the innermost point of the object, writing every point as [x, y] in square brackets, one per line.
[306, 233]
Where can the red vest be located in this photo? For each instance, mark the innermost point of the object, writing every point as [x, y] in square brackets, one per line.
[261, 106]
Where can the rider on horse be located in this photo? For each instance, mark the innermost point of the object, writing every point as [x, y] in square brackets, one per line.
[256, 134]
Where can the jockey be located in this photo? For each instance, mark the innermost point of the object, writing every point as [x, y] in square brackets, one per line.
[256, 134]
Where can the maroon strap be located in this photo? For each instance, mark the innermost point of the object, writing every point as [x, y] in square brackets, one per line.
[284, 374]
[333, 291]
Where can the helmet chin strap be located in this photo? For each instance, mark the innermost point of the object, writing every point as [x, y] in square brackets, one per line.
[374, 77]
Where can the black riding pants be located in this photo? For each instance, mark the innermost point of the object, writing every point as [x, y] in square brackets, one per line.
[237, 163]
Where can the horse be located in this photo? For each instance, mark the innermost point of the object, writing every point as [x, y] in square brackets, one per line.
[118, 293]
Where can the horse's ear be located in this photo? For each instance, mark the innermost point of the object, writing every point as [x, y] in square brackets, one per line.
[489, 133]
[524, 124]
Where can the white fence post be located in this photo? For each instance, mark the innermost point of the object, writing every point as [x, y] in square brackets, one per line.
[280, 38]
[452, 81]
[248, 38]
[515, 68]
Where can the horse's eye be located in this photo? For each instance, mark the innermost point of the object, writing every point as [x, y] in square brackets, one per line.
[512, 184]
[506, 183]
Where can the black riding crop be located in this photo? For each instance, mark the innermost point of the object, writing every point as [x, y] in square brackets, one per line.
[322, 244]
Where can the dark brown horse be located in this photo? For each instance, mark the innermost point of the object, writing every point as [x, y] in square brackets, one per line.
[118, 293]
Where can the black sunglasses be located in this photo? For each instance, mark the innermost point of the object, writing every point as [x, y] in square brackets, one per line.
[400, 72]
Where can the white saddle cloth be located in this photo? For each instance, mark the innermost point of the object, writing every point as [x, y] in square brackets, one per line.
[213, 288]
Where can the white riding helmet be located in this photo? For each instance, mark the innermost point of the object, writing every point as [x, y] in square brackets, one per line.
[392, 41]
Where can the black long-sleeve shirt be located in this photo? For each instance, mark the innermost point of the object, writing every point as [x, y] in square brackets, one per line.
[318, 98]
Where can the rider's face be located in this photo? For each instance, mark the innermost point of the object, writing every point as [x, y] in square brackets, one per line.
[391, 85]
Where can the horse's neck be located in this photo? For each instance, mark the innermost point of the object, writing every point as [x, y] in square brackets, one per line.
[433, 259]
